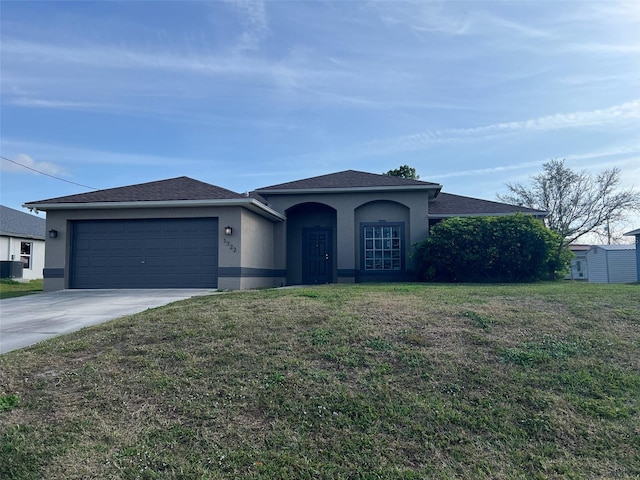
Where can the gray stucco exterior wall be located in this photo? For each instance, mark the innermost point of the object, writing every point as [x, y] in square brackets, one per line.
[352, 209]
[259, 237]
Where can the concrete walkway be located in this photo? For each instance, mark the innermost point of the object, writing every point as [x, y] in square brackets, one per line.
[33, 318]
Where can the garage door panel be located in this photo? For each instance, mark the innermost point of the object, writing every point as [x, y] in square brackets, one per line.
[148, 253]
[117, 261]
[171, 243]
[98, 262]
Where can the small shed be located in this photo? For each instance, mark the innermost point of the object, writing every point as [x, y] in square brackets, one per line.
[612, 264]
[579, 268]
[636, 233]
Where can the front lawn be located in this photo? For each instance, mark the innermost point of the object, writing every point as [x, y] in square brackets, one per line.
[12, 288]
[401, 381]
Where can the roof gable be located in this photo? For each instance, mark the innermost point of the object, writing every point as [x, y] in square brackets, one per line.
[448, 205]
[16, 223]
[173, 189]
[348, 179]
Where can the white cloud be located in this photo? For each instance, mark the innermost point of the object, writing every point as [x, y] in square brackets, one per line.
[86, 156]
[23, 163]
[254, 20]
[59, 60]
[617, 113]
[422, 17]
[604, 159]
[618, 12]
[443, 18]
[61, 104]
[578, 80]
[608, 48]
[125, 58]
[489, 23]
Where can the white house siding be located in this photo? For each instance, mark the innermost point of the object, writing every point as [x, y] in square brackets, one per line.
[10, 250]
[612, 264]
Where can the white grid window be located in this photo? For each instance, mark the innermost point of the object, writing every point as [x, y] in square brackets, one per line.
[382, 248]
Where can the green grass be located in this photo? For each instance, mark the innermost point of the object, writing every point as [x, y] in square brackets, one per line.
[390, 381]
[11, 288]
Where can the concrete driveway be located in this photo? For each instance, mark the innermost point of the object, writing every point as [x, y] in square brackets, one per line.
[33, 318]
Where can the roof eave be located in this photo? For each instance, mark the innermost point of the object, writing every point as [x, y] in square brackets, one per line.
[22, 235]
[304, 191]
[249, 203]
[492, 214]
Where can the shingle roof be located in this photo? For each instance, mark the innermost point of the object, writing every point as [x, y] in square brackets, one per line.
[16, 223]
[447, 204]
[348, 179]
[173, 189]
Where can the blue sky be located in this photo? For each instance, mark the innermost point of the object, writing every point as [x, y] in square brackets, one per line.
[245, 94]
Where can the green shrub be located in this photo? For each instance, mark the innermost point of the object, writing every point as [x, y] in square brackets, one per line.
[512, 248]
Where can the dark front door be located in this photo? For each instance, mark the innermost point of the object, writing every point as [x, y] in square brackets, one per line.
[317, 255]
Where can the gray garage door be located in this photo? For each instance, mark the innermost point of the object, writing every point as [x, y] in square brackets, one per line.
[146, 253]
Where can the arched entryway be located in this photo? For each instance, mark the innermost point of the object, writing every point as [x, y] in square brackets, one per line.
[311, 244]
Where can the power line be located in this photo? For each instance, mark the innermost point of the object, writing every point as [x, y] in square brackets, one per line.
[48, 175]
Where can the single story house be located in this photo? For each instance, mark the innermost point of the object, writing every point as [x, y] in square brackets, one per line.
[347, 227]
[612, 264]
[21, 244]
[636, 233]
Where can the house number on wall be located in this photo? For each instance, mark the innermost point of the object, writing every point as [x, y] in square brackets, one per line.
[230, 245]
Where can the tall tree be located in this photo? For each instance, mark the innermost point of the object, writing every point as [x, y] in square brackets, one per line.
[577, 203]
[405, 171]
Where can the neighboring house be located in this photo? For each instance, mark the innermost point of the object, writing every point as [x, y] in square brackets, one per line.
[343, 227]
[21, 240]
[579, 266]
[612, 264]
[636, 233]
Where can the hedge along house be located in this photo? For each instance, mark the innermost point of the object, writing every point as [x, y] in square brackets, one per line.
[343, 227]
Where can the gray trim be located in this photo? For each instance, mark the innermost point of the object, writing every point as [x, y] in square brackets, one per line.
[248, 203]
[346, 272]
[373, 276]
[53, 272]
[242, 272]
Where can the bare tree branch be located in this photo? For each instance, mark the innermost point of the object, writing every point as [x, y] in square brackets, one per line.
[577, 202]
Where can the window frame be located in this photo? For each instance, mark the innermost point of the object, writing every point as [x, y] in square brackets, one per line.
[26, 256]
[379, 250]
